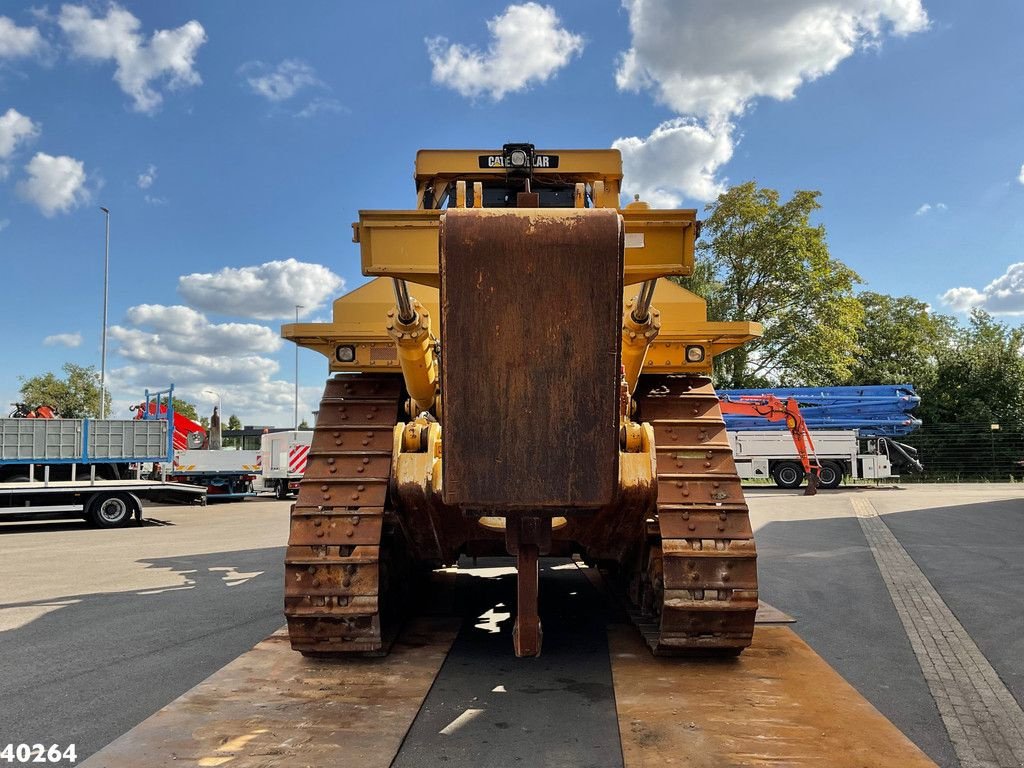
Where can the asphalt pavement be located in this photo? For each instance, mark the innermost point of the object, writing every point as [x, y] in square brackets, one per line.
[101, 628]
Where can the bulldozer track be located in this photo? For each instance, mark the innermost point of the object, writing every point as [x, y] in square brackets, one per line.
[344, 546]
[696, 586]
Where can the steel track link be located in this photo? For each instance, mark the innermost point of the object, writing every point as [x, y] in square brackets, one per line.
[342, 545]
[697, 588]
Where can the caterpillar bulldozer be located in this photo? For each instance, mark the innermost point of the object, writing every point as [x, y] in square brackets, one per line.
[519, 378]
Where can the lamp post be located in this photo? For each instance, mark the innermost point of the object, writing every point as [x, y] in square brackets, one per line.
[103, 343]
[216, 394]
[297, 308]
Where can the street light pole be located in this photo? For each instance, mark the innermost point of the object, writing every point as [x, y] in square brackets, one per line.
[297, 308]
[217, 395]
[103, 347]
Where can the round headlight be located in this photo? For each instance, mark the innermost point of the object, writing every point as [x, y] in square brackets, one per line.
[518, 158]
[694, 354]
[345, 353]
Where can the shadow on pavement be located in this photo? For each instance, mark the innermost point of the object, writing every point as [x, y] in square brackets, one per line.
[85, 668]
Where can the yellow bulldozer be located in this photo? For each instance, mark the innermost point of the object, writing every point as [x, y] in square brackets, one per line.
[519, 379]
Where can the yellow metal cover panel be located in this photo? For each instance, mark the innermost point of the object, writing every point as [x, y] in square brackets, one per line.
[404, 244]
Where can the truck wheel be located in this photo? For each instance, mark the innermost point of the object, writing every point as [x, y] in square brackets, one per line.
[831, 475]
[788, 474]
[111, 510]
[281, 490]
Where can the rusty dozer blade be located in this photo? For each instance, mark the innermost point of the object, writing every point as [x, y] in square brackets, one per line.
[531, 313]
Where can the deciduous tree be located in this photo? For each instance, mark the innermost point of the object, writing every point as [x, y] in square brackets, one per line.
[900, 341]
[764, 261]
[76, 396]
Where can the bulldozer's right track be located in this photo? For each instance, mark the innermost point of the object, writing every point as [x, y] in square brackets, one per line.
[344, 547]
[696, 587]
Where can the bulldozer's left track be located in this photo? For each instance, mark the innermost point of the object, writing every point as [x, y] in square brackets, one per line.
[346, 561]
[694, 589]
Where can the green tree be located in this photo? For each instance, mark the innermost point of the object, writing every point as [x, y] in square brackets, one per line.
[303, 424]
[979, 376]
[900, 341]
[76, 396]
[186, 409]
[234, 422]
[204, 422]
[763, 261]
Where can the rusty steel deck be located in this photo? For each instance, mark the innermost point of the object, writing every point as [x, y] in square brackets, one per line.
[777, 704]
[274, 707]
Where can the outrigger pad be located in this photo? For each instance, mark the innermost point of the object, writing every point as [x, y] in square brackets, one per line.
[531, 322]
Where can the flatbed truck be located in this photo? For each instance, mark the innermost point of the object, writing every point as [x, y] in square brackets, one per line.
[85, 467]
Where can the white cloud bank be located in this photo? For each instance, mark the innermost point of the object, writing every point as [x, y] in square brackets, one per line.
[1020, 176]
[528, 44]
[19, 42]
[268, 291]
[168, 55]
[709, 61]
[54, 184]
[71, 340]
[179, 345]
[1003, 296]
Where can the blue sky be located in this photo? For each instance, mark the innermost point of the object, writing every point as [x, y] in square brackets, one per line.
[234, 143]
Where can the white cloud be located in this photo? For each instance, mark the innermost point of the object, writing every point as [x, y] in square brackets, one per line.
[681, 157]
[15, 129]
[19, 42]
[176, 344]
[1020, 176]
[63, 340]
[710, 61]
[1003, 296]
[926, 207]
[169, 54]
[714, 59]
[528, 45]
[147, 177]
[281, 82]
[54, 184]
[4, 224]
[268, 291]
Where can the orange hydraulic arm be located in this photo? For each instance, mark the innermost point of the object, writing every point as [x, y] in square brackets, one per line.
[773, 409]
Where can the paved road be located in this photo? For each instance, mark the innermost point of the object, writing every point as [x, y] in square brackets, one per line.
[99, 629]
[815, 564]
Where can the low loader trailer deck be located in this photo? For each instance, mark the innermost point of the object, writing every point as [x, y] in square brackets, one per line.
[779, 703]
[105, 503]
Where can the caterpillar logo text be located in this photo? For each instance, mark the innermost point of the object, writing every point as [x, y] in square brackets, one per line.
[498, 161]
